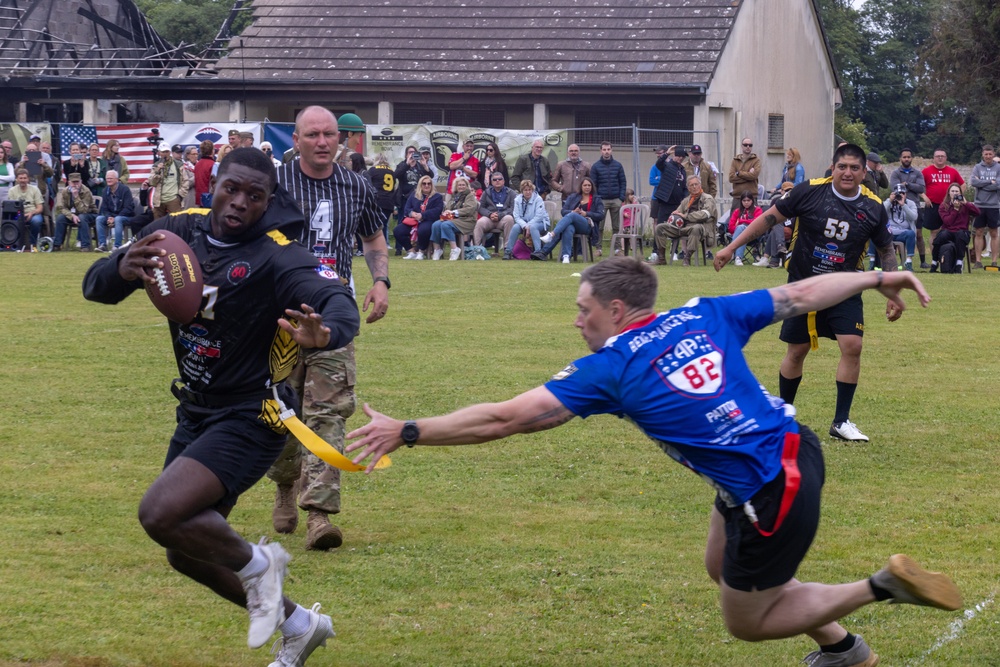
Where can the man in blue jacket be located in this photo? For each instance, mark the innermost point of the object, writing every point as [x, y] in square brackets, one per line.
[117, 206]
[608, 175]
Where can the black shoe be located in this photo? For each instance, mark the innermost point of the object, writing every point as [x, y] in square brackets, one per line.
[399, 251]
[539, 255]
[507, 255]
[934, 267]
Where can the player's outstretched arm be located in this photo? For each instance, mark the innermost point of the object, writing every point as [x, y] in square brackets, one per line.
[755, 229]
[535, 410]
[308, 329]
[821, 292]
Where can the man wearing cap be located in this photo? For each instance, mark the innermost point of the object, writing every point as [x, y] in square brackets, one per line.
[75, 206]
[426, 163]
[463, 165]
[352, 131]
[265, 146]
[669, 193]
[234, 138]
[169, 183]
[875, 178]
[338, 203]
[654, 180]
[246, 139]
[568, 177]
[694, 165]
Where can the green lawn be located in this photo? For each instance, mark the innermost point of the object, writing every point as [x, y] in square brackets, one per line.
[578, 546]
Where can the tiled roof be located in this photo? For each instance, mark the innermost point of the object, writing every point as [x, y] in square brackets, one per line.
[657, 43]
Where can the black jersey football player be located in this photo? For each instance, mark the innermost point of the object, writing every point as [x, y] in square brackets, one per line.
[835, 218]
[264, 296]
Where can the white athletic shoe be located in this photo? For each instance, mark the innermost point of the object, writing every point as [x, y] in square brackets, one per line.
[674, 258]
[653, 257]
[738, 262]
[411, 255]
[547, 237]
[437, 254]
[763, 261]
[455, 254]
[420, 254]
[565, 259]
[848, 431]
[295, 650]
[264, 599]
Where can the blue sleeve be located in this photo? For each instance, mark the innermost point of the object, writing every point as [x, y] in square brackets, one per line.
[622, 182]
[745, 313]
[129, 209]
[434, 207]
[800, 174]
[654, 176]
[570, 203]
[587, 386]
[596, 212]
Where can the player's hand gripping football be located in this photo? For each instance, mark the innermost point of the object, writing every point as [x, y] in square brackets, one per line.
[142, 255]
[308, 329]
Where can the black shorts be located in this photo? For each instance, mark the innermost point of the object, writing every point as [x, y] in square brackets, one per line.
[932, 218]
[234, 442]
[752, 561]
[847, 318]
[988, 217]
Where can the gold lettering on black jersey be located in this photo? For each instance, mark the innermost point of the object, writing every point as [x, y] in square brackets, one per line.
[282, 356]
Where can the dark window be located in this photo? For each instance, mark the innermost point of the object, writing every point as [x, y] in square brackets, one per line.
[654, 120]
[775, 132]
[405, 114]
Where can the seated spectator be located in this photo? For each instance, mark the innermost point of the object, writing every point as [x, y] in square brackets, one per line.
[77, 163]
[7, 177]
[530, 218]
[581, 214]
[463, 165]
[75, 206]
[203, 173]
[952, 241]
[493, 162]
[793, 171]
[458, 219]
[693, 220]
[117, 206]
[97, 169]
[496, 209]
[774, 244]
[422, 209]
[902, 224]
[115, 161]
[740, 219]
[695, 165]
[569, 173]
[31, 197]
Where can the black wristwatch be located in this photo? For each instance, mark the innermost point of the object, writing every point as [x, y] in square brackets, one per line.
[383, 279]
[410, 433]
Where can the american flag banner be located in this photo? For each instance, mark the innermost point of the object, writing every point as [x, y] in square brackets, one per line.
[132, 138]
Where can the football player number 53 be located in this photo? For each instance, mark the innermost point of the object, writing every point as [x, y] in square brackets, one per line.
[837, 229]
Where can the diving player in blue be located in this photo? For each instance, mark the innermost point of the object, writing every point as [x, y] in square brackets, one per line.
[681, 377]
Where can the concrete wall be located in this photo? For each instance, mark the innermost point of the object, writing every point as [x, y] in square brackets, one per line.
[775, 63]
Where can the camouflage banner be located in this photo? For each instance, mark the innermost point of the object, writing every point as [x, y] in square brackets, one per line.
[444, 141]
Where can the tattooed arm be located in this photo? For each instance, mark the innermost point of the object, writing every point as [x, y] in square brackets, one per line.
[761, 224]
[377, 258]
[821, 292]
[535, 410]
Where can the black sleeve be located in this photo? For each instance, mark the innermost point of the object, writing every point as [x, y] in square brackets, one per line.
[789, 204]
[103, 284]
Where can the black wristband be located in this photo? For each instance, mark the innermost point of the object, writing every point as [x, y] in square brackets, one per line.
[383, 279]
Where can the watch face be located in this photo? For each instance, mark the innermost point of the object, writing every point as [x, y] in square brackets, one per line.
[410, 433]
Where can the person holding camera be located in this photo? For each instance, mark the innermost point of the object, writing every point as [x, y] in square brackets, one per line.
[952, 241]
[169, 182]
[902, 224]
[913, 180]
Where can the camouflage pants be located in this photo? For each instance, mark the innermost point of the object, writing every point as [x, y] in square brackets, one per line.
[324, 381]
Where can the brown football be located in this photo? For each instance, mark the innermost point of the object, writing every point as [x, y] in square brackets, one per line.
[177, 287]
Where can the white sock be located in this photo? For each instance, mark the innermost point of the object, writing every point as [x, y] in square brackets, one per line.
[258, 563]
[297, 623]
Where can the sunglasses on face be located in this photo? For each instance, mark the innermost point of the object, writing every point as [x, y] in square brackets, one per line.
[748, 145]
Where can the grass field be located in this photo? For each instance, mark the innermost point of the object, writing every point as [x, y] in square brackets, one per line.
[578, 546]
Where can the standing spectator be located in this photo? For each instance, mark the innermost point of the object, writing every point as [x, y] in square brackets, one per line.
[7, 177]
[609, 179]
[384, 180]
[669, 194]
[530, 219]
[422, 209]
[169, 183]
[902, 224]
[496, 209]
[493, 162]
[220, 156]
[8, 147]
[569, 173]
[352, 132]
[426, 162]
[654, 180]
[740, 219]
[906, 175]
[827, 244]
[77, 163]
[744, 170]
[533, 167]
[97, 168]
[694, 165]
[115, 160]
[203, 173]
[938, 177]
[463, 165]
[117, 206]
[268, 150]
[74, 206]
[337, 203]
[188, 157]
[407, 176]
[31, 197]
[44, 174]
[233, 139]
[875, 178]
[984, 180]
[952, 241]
[246, 139]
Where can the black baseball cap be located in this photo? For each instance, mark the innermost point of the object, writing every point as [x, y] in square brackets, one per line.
[177, 148]
[680, 152]
[696, 149]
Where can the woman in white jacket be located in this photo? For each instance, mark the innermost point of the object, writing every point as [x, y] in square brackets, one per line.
[530, 217]
[6, 173]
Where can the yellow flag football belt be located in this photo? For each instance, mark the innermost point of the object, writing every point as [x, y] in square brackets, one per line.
[317, 445]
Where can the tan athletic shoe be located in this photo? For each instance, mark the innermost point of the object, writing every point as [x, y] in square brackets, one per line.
[858, 655]
[321, 535]
[285, 516]
[911, 584]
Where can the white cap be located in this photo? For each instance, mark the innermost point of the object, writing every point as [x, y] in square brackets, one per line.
[164, 146]
[265, 144]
